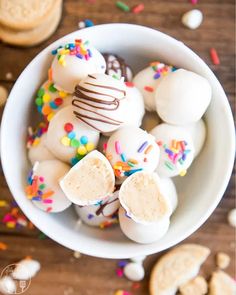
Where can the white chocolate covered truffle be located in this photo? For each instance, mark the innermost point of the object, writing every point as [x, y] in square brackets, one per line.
[102, 214]
[142, 233]
[39, 152]
[197, 131]
[182, 97]
[149, 79]
[43, 186]
[68, 138]
[131, 149]
[142, 198]
[116, 67]
[97, 102]
[89, 181]
[50, 100]
[176, 150]
[73, 62]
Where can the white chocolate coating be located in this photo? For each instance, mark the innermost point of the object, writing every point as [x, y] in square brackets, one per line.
[89, 181]
[57, 138]
[176, 150]
[135, 109]
[102, 214]
[168, 189]
[49, 100]
[182, 97]
[97, 102]
[148, 80]
[135, 148]
[67, 76]
[142, 233]
[46, 176]
[143, 198]
[198, 133]
[40, 152]
[116, 67]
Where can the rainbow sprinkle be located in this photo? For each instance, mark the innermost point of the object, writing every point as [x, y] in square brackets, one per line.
[78, 49]
[37, 191]
[35, 135]
[161, 69]
[15, 219]
[122, 292]
[49, 99]
[82, 145]
[126, 167]
[177, 153]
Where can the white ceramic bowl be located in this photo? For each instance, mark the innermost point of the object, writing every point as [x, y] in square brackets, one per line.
[199, 191]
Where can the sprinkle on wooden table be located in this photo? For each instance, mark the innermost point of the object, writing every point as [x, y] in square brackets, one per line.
[122, 292]
[214, 56]
[136, 285]
[121, 5]
[194, 1]
[3, 246]
[3, 203]
[138, 8]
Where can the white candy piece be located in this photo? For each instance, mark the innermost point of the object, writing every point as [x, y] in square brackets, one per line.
[7, 285]
[192, 19]
[67, 76]
[103, 212]
[131, 144]
[48, 174]
[40, 152]
[26, 269]
[141, 195]
[232, 217]
[116, 67]
[176, 150]
[148, 80]
[198, 133]
[58, 142]
[182, 97]
[89, 181]
[48, 98]
[134, 271]
[100, 102]
[142, 233]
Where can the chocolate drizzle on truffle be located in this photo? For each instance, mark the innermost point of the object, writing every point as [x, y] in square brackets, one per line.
[116, 64]
[92, 98]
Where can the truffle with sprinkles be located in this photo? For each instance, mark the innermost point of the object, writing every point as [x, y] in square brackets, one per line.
[74, 61]
[70, 139]
[131, 149]
[49, 100]
[176, 150]
[36, 144]
[43, 188]
[148, 80]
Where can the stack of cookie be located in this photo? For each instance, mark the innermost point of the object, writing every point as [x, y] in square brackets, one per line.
[27, 23]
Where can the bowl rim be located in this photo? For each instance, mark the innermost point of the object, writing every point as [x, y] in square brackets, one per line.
[224, 181]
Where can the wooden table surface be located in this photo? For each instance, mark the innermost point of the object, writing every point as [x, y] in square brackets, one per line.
[61, 273]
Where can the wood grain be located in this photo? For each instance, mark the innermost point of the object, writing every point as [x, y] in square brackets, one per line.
[61, 273]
